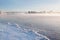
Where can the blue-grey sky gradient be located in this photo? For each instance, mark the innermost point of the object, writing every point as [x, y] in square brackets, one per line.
[25, 5]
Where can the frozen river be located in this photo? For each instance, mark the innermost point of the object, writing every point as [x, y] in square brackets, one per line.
[46, 25]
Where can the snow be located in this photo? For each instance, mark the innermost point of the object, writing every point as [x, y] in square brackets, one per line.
[12, 31]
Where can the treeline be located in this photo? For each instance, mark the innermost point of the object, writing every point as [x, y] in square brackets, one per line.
[30, 12]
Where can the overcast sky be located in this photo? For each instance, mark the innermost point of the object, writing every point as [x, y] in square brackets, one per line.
[25, 5]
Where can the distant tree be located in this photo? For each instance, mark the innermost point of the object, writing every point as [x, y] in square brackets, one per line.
[0, 12]
[32, 12]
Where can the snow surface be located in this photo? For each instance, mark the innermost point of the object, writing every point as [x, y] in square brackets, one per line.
[12, 31]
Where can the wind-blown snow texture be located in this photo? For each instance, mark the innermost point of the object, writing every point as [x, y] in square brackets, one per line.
[12, 31]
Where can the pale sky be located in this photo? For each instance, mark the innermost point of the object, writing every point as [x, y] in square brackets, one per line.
[25, 5]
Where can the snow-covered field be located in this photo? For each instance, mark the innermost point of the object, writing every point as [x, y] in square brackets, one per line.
[12, 31]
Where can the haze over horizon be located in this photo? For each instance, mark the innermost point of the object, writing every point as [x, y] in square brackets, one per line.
[26, 5]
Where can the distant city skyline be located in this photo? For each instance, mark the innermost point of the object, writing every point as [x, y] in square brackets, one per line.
[27, 5]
